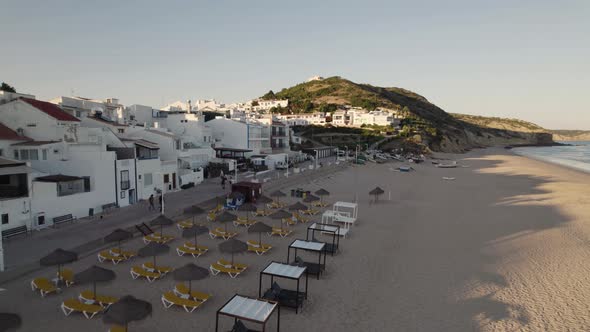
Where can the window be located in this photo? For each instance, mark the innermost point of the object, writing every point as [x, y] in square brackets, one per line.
[4, 218]
[24, 154]
[33, 154]
[132, 117]
[166, 178]
[147, 179]
[177, 144]
[122, 194]
[121, 131]
[124, 180]
[86, 183]
[16, 154]
[204, 138]
[1, 152]
[78, 114]
[44, 152]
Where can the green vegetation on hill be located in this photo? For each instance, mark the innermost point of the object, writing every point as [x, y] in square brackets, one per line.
[500, 123]
[6, 87]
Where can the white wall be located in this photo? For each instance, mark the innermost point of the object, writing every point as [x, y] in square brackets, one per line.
[124, 194]
[149, 167]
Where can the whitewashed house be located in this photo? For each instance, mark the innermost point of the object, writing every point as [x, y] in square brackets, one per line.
[303, 119]
[146, 116]
[82, 107]
[15, 195]
[241, 135]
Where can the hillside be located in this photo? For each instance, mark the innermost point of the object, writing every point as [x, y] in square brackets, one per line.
[425, 121]
[571, 135]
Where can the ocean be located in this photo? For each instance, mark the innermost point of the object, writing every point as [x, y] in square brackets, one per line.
[577, 155]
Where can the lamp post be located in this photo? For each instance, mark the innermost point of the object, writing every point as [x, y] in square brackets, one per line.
[316, 159]
[161, 192]
[1, 255]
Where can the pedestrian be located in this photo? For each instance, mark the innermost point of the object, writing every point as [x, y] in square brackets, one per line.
[160, 202]
[151, 200]
[223, 182]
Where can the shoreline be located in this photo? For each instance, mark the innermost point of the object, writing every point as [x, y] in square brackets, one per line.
[555, 162]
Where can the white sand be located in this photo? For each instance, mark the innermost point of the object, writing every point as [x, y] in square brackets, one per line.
[503, 247]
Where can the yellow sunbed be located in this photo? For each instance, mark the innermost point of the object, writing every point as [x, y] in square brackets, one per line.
[181, 290]
[276, 205]
[300, 218]
[191, 245]
[244, 222]
[289, 221]
[228, 264]
[117, 328]
[125, 253]
[169, 299]
[181, 251]
[282, 232]
[184, 224]
[67, 276]
[88, 297]
[211, 216]
[319, 204]
[106, 255]
[219, 232]
[310, 212]
[258, 248]
[137, 271]
[216, 268]
[157, 238]
[262, 213]
[158, 269]
[44, 286]
[73, 305]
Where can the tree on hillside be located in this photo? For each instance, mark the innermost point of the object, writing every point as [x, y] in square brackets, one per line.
[255, 103]
[7, 88]
[269, 96]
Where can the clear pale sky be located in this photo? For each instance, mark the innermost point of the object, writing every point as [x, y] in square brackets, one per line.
[524, 59]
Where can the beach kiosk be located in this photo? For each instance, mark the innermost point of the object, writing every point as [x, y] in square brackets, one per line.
[285, 297]
[250, 190]
[333, 230]
[312, 268]
[249, 309]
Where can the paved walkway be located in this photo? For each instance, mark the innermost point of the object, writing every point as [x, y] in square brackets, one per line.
[84, 236]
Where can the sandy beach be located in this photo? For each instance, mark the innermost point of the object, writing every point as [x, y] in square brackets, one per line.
[502, 247]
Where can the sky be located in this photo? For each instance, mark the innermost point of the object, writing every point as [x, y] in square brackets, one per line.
[520, 59]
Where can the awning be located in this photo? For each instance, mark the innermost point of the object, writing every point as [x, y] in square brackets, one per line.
[15, 170]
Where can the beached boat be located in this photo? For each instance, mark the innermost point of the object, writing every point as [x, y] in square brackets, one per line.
[451, 165]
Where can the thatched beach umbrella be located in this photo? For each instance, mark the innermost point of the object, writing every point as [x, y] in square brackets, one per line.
[153, 249]
[248, 207]
[59, 257]
[128, 309]
[263, 200]
[190, 272]
[280, 215]
[233, 246]
[162, 221]
[193, 211]
[260, 228]
[9, 321]
[194, 231]
[376, 192]
[118, 235]
[93, 275]
[277, 195]
[297, 207]
[322, 192]
[225, 218]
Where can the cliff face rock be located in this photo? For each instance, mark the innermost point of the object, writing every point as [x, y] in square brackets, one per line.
[439, 130]
[571, 135]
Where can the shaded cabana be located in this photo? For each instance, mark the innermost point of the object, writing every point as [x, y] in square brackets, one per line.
[311, 246]
[285, 297]
[249, 309]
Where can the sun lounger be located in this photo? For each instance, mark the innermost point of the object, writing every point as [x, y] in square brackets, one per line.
[126, 254]
[262, 213]
[289, 221]
[117, 328]
[276, 205]
[220, 233]
[181, 251]
[149, 266]
[157, 238]
[300, 218]
[216, 268]
[67, 276]
[244, 222]
[74, 305]
[191, 245]
[88, 297]
[216, 209]
[228, 264]
[319, 204]
[106, 255]
[181, 290]
[211, 216]
[169, 299]
[137, 271]
[44, 286]
[258, 248]
[282, 232]
[311, 212]
[184, 224]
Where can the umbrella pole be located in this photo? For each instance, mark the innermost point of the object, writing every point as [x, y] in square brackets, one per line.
[232, 259]
[195, 240]
[154, 262]
[58, 274]
[94, 291]
[120, 252]
[161, 230]
[190, 287]
[260, 238]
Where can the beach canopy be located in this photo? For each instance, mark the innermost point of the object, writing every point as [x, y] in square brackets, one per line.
[260, 228]
[190, 272]
[233, 246]
[297, 206]
[311, 198]
[162, 221]
[263, 200]
[9, 321]
[128, 309]
[93, 275]
[278, 193]
[153, 249]
[194, 232]
[322, 192]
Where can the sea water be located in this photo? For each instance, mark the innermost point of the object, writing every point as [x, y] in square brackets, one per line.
[575, 155]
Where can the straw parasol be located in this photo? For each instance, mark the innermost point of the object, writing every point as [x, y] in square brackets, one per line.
[194, 231]
[128, 309]
[153, 249]
[279, 215]
[322, 192]
[376, 192]
[233, 246]
[263, 200]
[59, 257]
[9, 321]
[297, 207]
[260, 228]
[311, 198]
[278, 194]
[93, 275]
[248, 207]
[225, 218]
[190, 272]
[193, 211]
[118, 235]
[162, 221]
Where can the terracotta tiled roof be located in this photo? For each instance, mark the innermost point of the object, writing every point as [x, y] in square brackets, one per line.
[34, 143]
[50, 109]
[10, 135]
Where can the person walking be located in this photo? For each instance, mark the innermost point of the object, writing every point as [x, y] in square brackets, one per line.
[151, 200]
